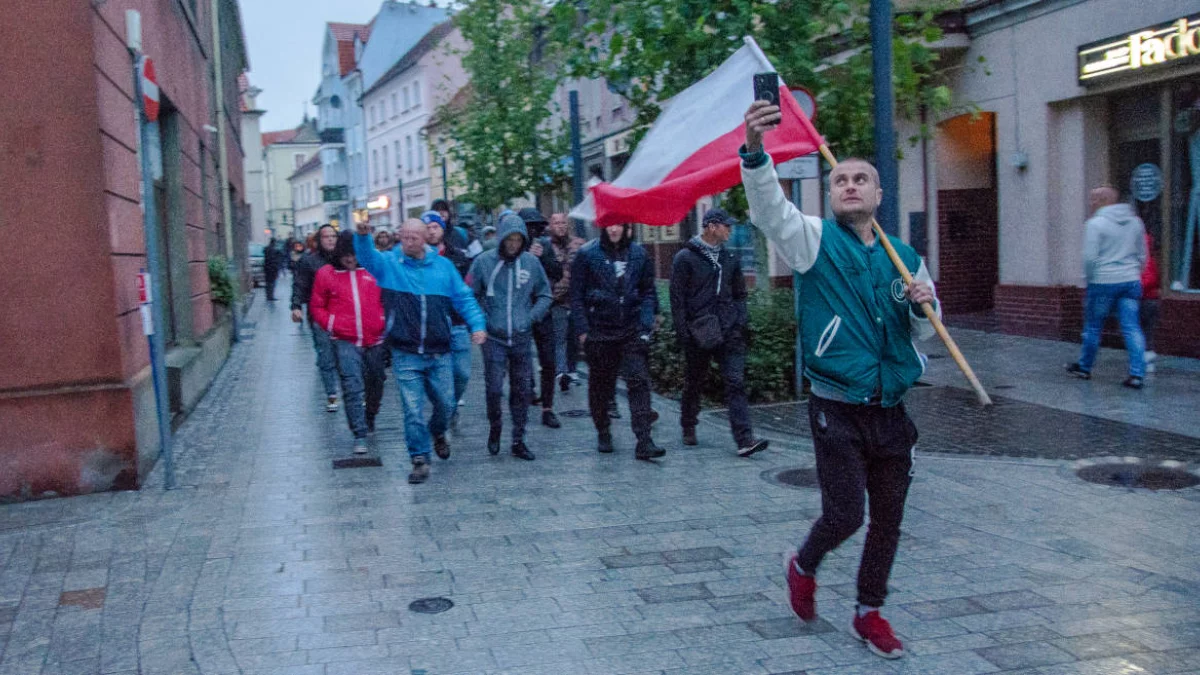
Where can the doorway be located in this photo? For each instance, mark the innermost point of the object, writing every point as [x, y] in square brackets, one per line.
[968, 215]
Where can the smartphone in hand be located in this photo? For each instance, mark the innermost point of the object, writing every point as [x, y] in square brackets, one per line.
[766, 88]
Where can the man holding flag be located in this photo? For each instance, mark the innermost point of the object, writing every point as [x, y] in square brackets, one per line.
[857, 325]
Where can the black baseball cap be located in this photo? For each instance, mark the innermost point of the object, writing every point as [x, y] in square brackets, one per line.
[718, 216]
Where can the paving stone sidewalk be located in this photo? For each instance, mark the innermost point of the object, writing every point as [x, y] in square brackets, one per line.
[269, 561]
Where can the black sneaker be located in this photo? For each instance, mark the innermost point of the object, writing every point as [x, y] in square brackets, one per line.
[1133, 382]
[550, 419]
[494, 441]
[370, 424]
[442, 447]
[653, 416]
[614, 413]
[420, 470]
[755, 445]
[647, 450]
[536, 400]
[689, 436]
[564, 383]
[521, 451]
[604, 444]
[1078, 371]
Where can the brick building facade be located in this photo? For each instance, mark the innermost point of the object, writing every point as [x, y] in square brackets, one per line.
[76, 395]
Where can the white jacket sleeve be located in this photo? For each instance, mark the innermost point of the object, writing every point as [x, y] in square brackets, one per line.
[795, 235]
[919, 324]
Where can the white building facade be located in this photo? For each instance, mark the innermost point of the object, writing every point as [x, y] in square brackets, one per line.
[397, 108]
[308, 206]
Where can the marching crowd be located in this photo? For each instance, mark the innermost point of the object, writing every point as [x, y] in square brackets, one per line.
[418, 300]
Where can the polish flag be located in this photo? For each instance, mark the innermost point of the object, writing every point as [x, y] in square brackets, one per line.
[691, 150]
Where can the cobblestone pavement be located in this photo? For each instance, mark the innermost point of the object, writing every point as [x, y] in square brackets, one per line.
[269, 561]
[950, 421]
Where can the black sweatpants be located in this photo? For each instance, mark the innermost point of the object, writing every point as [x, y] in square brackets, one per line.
[862, 451]
[629, 359]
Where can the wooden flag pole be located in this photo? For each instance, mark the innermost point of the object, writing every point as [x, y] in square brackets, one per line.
[925, 306]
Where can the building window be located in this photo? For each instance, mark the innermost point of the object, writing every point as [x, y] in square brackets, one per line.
[1184, 244]
[374, 167]
[372, 115]
[335, 102]
[298, 159]
[616, 112]
[396, 146]
[416, 94]
[395, 106]
[408, 153]
[420, 155]
[406, 102]
[386, 170]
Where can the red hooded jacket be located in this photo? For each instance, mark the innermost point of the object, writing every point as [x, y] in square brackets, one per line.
[1150, 272]
[348, 305]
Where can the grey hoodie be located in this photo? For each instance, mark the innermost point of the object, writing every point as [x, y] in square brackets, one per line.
[1114, 246]
[514, 294]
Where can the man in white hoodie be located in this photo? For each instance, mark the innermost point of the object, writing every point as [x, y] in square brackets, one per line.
[1114, 253]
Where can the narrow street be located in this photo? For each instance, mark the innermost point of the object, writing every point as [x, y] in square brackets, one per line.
[267, 560]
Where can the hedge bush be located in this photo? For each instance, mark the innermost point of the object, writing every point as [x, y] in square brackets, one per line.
[770, 361]
[220, 281]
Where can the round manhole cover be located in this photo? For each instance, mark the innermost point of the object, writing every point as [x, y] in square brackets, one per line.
[430, 605]
[1149, 477]
[797, 477]
[575, 413]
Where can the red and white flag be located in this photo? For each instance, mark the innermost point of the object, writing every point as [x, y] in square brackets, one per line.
[691, 150]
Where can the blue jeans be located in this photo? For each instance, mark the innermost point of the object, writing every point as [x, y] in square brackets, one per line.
[1099, 304]
[460, 351]
[421, 376]
[363, 371]
[562, 337]
[326, 359]
[499, 359]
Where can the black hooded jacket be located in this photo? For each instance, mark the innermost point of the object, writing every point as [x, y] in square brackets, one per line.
[700, 286]
[306, 271]
[608, 307]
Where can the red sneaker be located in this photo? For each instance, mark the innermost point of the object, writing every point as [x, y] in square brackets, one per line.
[801, 591]
[877, 633]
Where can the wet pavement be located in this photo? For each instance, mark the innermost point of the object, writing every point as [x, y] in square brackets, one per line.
[268, 560]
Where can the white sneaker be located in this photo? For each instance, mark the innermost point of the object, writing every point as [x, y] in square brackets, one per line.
[332, 404]
[1151, 357]
[360, 446]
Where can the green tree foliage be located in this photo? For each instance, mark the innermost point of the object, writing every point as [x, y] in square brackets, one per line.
[653, 49]
[506, 139]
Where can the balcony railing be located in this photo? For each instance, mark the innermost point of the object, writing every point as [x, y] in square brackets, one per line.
[333, 136]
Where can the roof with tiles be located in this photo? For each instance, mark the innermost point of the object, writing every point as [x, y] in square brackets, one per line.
[423, 47]
[345, 33]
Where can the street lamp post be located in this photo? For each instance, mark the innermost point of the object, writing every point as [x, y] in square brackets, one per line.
[885, 128]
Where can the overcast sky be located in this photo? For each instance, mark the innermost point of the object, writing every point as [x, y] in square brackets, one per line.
[284, 39]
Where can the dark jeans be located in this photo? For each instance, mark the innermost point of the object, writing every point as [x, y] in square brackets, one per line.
[731, 358]
[606, 361]
[572, 345]
[363, 371]
[269, 279]
[543, 335]
[499, 359]
[860, 449]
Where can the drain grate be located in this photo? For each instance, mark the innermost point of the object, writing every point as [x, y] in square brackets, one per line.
[1139, 475]
[357, 462]
[430, 605]
[575, 413]
[796, 477]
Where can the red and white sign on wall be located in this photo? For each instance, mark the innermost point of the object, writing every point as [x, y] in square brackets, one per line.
[149, 88]
[144, 300]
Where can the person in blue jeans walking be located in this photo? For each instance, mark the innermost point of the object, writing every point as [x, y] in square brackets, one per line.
[1114, 253]
[302, 285]
[439, 235]
[424, 292]
[515, 293]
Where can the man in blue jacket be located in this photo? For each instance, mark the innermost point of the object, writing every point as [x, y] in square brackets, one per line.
[856, 328]
[424, 291]
[613, 300]
[512, 287]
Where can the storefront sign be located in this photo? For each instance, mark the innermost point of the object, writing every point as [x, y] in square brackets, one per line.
[1150, 47]
[1145, 184]
[379, 204]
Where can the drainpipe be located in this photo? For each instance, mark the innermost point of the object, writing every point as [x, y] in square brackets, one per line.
[222, 158]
